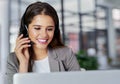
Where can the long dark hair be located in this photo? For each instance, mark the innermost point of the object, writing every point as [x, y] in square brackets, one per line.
[38, 8]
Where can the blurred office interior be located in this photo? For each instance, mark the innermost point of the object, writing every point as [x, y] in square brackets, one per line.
[89, 25]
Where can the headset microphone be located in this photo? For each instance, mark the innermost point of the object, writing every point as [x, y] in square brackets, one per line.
[31, 42]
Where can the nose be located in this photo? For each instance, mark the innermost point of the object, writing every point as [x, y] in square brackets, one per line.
[43, 33]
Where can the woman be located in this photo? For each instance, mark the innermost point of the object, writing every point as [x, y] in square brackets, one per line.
[39, 47]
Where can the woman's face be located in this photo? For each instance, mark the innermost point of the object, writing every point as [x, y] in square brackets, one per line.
[41, 31]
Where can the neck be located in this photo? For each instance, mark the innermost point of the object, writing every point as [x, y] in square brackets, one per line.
[40, 53]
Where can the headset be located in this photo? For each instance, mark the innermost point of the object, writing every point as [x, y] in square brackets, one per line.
[31, 42]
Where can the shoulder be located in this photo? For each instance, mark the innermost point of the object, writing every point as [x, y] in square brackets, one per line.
[12, 58]
[64, 52]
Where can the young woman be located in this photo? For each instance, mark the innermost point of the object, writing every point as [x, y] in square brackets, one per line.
[39, 47]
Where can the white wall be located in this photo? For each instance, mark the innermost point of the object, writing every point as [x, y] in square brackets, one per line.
[4, 38]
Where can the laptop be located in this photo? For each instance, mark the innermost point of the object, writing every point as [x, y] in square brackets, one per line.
[78, 77]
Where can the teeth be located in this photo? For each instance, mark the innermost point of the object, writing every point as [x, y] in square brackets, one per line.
[42, 40]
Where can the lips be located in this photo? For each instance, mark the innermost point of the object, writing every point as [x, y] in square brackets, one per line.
[43, 41]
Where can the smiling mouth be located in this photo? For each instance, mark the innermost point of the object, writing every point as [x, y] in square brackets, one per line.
[43, 41]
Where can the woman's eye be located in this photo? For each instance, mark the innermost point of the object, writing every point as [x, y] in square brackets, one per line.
[50, 29]
[37, 28]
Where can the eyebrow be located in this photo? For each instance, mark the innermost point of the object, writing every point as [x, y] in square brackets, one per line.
[41, 26]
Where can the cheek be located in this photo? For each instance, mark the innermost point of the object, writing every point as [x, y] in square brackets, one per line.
[32, 34]
[51, 35]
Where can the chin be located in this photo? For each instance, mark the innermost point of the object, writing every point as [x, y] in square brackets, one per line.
[41, 47]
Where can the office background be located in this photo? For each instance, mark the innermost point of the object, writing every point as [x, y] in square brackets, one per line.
[89, 25]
